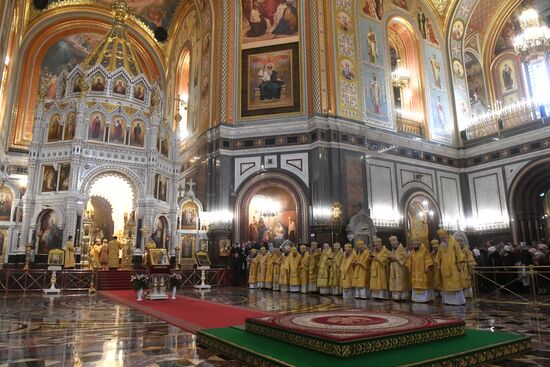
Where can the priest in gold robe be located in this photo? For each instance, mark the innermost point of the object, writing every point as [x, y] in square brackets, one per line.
[379, 270]
[262, 268]
[468, 263]
[335, 282]
[346, 270]
[436, 273]
[253, 269]
[420, 266]
[269, 269]
[70, 254]
[313, 267]
[277, 259]
[400, 283]
[104, 254]
[284, 276]
[361, 271]
[114, 253]
[93, 255]
[294, 263]
[449, 256]
[304, 269]
[323, 275]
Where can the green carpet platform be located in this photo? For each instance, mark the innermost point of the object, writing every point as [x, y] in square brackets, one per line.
[358, 338]
[346, 333]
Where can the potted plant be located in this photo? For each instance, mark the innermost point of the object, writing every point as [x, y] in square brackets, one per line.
[139, 282]
[175, 283]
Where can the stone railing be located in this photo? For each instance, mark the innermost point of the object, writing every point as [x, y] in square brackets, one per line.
[410, 127]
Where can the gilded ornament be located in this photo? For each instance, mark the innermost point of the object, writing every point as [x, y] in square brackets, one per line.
[155, 98]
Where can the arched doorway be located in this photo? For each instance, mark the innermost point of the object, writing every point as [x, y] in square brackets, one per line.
[272, 208]
[422, 218]
[529, 202]
[111, 202]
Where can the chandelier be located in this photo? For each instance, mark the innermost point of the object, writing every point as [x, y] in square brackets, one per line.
[400, 76]
[534, 43]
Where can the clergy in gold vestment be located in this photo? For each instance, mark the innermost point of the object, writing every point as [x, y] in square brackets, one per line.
[294, 263]
[335, 281]
[104, 255]
[436, 274]
[313, 267]
[114, 251]
[449, 256]
[304, 269]
[420, 264]
[269, 269]
[70, 254]
[253, 269]
[361, 269]
[346, 270]
[284, 277]
[262, 268]
[400, 282]
[467, 264]
[323, 275]
[379, 270]
[93, 255]
[277, 259]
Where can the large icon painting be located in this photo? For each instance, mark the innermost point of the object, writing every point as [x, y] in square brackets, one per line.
[272, 216]
[6, 203]
[189, 215]
[48, 233]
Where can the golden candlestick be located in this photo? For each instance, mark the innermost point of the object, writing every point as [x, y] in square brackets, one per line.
[177, 250]
[28, 249]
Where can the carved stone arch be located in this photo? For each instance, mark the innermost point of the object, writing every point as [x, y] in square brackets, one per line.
[15, 190]
[190, 199]
[286, 181]
[408, 197]
[361, 227]
[126, 174]
[56, 208]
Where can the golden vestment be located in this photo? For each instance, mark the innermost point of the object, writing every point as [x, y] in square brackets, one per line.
[399, 274]
[253, 273]
[114, 248]
[419, 263]
[277, 268]
[269, 268]
[466, 267]
[313, 266]
[304, 271]
[335, 277]
[449, 257]
[323, 275]
[284, 276]
[70, 253]
[294, 262]
[346, 270]
[361, 270]
[262, 267]
[379, 270]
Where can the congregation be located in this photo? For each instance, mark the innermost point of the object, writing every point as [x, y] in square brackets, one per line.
[417, 272]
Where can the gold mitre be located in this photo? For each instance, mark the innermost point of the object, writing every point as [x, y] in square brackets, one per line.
[303, 247]
[336, 245]
[415, 239]
[293, 249]
[442, 232]
[435, 243]
[393, 238]
[377, 240]
[253, 251]
[348, 246]
[360, 244]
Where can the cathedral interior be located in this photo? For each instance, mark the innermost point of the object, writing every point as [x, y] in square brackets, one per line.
[195, 136]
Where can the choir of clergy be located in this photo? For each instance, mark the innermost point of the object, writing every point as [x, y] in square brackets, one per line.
[419, 272]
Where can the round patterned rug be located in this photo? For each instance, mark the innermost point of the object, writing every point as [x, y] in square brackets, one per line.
[353, 324]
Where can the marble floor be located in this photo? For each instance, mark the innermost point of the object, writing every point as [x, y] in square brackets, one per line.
[82, 330]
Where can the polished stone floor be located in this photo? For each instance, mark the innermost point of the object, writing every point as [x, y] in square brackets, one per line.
[82, 330]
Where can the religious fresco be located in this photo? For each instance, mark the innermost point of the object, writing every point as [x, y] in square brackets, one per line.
[373, 44]
[6, 203]
[401, 3]
[137, 133]
[159, 233]
[507, 78]
[96, 127]
[440, 123]
[70, 126]
[272, 216]
[376, 96]
[426, 26]
[64, 176]
[66, 53]
[48, 232]
[119, 86]
[189, 216]
[435, 68]
[271, 80]
[269, 22]
[55, 129]
[49, 179]
[117, 131]
[98, 83]
[154, 13]
[373, 8]
[505, 41]
[476, 82]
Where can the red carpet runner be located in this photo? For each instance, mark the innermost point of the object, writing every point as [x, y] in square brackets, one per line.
[187, 313]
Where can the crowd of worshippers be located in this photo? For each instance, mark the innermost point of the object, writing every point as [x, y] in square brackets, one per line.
[418, 272]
